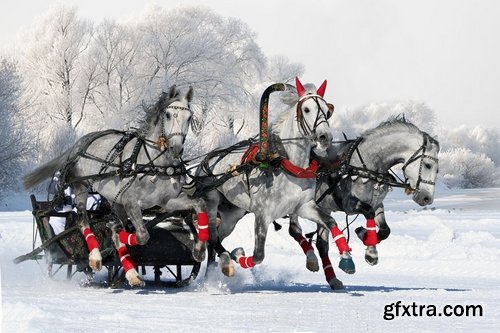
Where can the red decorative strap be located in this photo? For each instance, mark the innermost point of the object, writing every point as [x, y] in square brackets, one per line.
[125, 259]
[250, 153]
[328, 268]
[90, 239]
[339, 239]
[371, 238]
[203, 234]
[304, 244]
[246, 262]
[127, 238]
[309, 172]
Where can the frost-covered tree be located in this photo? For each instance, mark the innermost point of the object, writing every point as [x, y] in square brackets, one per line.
[14, 145]
[56, 80]
[79, 77]
[478, 139]
[462, 168]
[355, 120]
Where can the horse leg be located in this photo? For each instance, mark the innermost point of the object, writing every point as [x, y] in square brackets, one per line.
[323, 247]
[95, 259]
[238, 254]
[120, 240]
[313, 213]
[183, 202]
[296, 232]
[141, 236]
[229, 217]
[369, 236]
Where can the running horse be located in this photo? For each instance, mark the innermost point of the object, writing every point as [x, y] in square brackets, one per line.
[358, 180]
[133, 170]
[286, 188]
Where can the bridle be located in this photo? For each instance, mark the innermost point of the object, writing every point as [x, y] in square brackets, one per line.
[415, 157]
[162, 141]
[321, 115]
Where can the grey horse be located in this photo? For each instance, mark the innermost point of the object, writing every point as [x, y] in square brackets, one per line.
[271, 194]
[360, 181]
[134, 170]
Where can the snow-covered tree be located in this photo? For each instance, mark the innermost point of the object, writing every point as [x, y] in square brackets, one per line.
[462, 168]
[14, 146]
[355, 120]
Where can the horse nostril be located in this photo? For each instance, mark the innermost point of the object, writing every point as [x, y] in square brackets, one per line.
[427, 200]
[322, 137]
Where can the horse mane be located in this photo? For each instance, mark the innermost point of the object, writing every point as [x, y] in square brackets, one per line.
[153, 111]
[390, 123]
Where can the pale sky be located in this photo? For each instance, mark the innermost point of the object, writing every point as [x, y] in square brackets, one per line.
[444, 53]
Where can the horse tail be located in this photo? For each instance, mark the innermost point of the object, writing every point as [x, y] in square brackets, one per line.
[45, 171]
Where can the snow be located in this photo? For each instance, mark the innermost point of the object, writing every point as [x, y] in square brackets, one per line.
[446, 254]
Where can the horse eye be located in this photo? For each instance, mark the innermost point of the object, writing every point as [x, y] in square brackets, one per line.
[306, 110]
[169, 116]
[428, 166]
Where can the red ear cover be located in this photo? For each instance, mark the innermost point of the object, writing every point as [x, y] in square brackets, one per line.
[300, 87]
[321, 89]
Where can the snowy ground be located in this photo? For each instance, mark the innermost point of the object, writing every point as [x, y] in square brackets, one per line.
[448, 254]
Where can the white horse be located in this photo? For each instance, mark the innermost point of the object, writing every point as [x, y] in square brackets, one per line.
[286, 188]
[358, 181]
[134, 171]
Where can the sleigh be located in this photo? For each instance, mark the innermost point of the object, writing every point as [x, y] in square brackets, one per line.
[167, 255]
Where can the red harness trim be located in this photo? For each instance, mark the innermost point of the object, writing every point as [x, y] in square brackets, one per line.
[309, 172]
[250, 153]
[292, 169]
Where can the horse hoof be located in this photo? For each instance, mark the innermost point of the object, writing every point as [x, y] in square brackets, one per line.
[134, 279]
[226, 264]
[346, 264]
[237, 253]
[371, 255]
[199, 251]
[336, 284]
[95, 260]
[312, 261]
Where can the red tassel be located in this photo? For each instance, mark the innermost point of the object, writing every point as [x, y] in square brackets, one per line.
[339, 239]
[127, 238]
[203, 234]
[125, 259]
[304, 244]
[371, 238]
[246, 262]
[321, 90]
[328, 268]
[90, 239]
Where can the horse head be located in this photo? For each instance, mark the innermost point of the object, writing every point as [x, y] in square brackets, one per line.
[313, 113]
[421, 170]
[173, 118]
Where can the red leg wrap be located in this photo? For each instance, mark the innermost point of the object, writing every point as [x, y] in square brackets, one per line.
[304, 244]
[371, 238]
[125, 259]
[127, 238]
[203, 226]
[90, 239]
[328, 268]
[339, 239]
[246, 262]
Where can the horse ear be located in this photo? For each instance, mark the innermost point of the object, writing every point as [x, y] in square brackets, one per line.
[172, 92]
[189, 95]
[300, 88]
[321, 89]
